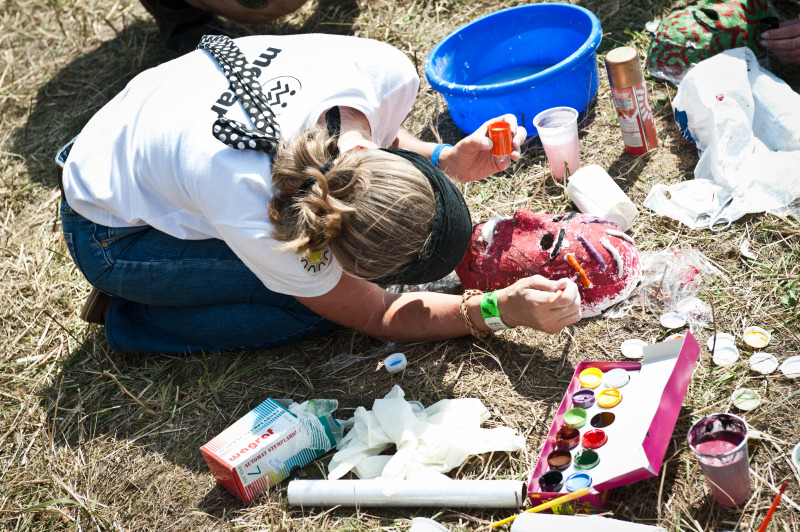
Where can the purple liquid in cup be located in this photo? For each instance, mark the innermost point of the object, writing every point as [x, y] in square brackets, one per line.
[720, 443]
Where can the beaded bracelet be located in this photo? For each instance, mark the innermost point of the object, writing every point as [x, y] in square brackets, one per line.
[474, 331]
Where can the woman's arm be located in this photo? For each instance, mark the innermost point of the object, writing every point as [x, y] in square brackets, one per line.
[424, 316]
[471, 158]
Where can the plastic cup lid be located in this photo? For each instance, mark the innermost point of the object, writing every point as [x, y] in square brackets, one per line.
[633, 348]
[672, 320]
[723, 339]
[725, 355]
[763, 363]
[616, 378]
[796, 457]
[590, 377]
[395, 362]
[791, 367]
[676, 336]
[756, 337]
[423, 524]
[577, 481]
[746, 399]
[609, 398]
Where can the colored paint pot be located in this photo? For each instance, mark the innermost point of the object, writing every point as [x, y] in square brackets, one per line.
[616, 378]
[578, 481]
[567, 438]
[594, 438]
[586, 459]
[602, 420]
[590, 377]
[551, 481]
[609, 398]
[575, 417]
[756, 337]
[583, 399]
[559, 460]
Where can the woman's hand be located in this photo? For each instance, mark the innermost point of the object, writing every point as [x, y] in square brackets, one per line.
[528, 303]
[471, 158]
[784, 41]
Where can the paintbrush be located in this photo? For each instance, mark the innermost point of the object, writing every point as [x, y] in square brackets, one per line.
[771, 510]
[544, 506]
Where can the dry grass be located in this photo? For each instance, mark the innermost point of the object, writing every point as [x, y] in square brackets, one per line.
[77, 453]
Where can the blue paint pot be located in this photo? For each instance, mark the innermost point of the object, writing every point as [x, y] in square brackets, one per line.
[520, 60]
[578, 481]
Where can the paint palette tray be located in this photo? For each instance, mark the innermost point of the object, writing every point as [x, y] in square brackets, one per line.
[624, 440]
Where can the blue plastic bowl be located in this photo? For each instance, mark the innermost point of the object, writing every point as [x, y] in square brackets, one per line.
[521, 60]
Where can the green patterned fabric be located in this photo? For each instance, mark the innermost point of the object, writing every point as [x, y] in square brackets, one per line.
[701, 29]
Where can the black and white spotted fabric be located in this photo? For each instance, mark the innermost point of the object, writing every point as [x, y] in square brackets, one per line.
[243, 81]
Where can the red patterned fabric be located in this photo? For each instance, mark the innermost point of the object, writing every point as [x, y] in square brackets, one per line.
[502, 252]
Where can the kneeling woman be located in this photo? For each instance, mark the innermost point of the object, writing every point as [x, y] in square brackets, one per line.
[258, 191]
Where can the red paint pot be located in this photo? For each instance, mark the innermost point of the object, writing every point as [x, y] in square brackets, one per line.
[559, 459]
[594, 438]
[567, 438]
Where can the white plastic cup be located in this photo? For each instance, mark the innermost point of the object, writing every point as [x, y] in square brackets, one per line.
[558, 131]
[593, 191]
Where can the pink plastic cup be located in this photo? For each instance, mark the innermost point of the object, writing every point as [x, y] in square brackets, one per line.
[558, 131]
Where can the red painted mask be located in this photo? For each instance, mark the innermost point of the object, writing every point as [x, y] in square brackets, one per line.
[600, 258]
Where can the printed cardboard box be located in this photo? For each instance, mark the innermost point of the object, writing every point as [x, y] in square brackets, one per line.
[264, 446]
[642, 428]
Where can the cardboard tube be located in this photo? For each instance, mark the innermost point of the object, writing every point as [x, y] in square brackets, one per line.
[593, 191]
[418, 493]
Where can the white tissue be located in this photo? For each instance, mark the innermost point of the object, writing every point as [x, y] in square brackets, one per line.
[536, 522]
[593, 191]
[429, 443]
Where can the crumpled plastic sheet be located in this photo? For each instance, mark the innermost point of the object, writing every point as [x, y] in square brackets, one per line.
[429, 442]
[671, 282]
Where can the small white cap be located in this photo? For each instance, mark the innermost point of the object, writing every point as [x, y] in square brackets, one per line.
[796, 457]
[791, 367]
[763, 363]
[423, 524]
[746, 399]
[616, 378]
[723, 339]
[672, 320]
[395, 362]
[725, 354]
[756, 337]
[633, 348]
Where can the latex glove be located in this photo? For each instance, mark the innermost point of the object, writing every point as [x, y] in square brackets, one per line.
[527, 303]
[471, 158]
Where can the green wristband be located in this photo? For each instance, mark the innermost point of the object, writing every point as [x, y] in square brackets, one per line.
[490, 312]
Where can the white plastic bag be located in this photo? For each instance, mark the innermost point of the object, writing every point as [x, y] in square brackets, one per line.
[746, 124]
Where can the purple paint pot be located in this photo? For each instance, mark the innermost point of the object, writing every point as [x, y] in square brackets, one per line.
[583, 399]
[552, 481]
[567, 438]
[559, 460]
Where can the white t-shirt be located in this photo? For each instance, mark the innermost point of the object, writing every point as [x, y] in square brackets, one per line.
[148, 157]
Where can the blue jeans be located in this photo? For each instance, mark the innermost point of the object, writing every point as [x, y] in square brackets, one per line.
[174, 296]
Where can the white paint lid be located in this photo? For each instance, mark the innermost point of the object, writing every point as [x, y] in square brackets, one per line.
[746, 399]
[763, 363]
[791, 367]
[395, 362]
[722, 340]
[672, 320]
[633, 348]
[725, 355]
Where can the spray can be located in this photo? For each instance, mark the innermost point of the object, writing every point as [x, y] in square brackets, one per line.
[634, 114]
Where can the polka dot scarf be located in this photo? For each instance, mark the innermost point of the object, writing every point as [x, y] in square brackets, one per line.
[244, 84]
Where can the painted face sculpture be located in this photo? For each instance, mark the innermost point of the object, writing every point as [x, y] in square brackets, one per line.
[601, 259]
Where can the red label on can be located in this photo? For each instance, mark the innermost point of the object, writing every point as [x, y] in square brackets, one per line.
[635, 118]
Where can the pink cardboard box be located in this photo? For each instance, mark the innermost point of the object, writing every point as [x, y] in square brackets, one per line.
[642, 427]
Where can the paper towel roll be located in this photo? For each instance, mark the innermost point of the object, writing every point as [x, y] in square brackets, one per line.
[593, 191]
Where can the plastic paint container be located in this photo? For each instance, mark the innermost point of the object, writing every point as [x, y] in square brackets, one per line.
[583, 399]
[746, 399]
[594, 439]
[725, 355]
[602, 420]
[676, 336]
[586, 459]
[590, 377]
[791, 367]
[763, 363]
[575, 417]
[395, 362]
[723, 339]
[578, 481]
[756, 337]
[796, 457]
[609, 398]
[672, 320]
[567, 438]
[552, 481]
[559, 460]
[500, 133]
[423, 524]
[616, 378]
[633, 348]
